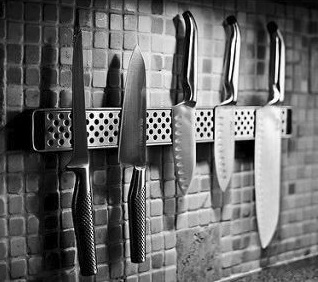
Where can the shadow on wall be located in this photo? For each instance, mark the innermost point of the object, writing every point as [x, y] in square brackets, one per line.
[48, 97]
[113, 91]
[2, 88]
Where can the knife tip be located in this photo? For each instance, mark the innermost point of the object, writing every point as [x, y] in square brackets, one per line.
[137, 53]
[137, 49]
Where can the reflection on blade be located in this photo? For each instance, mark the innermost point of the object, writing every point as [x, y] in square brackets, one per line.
[79, 134]
[132, 139]
[184, 146]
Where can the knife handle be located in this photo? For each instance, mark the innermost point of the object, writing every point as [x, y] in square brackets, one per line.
[190, 60]
[137, 214]
[82, 211]
[232, 60]
[276, 64]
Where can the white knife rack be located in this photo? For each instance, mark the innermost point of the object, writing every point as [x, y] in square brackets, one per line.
[51, 128]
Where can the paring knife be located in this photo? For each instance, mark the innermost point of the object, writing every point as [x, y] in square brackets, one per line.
[224, 114]
[132, 151]
[183, 114]
[82, 207]
[268, 142]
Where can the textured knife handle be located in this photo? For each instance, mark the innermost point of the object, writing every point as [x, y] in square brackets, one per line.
[137, 215]
[190, 60]
[276, 64]
[82, 209]
[232, 61]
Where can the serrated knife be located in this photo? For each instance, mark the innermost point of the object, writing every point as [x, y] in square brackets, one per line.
[132, 151]
[268, 142]
[224, 114]
[82, 207]
[183, 114]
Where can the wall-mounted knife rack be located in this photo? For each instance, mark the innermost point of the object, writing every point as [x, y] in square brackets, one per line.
[51, 128]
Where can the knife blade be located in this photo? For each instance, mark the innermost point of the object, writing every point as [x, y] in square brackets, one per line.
[268, 142]
[82, 207]
[224, 114]
[132, 151]
[183, 114]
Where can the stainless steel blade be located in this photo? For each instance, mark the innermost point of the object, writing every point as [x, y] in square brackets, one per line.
[224, 144]
[224, 115]
[267, 170]
[132, 138]
[184, 146]
[79, 133]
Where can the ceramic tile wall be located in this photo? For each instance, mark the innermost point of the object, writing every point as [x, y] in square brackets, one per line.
[205, 235]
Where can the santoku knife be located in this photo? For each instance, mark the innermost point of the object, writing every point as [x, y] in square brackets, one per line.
[183, 114]
[132, 151]
[82, 207]
[224, 115]
[268, 142]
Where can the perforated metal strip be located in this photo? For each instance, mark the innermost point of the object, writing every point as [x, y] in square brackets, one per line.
[51, 129]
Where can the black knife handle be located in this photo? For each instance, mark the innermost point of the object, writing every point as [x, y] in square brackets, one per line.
[232, 60]
[190, 60]
[82, 211]
[137, 215]
[276, 64]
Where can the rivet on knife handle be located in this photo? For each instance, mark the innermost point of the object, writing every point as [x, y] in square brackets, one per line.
[82, 207]
[137, 215]
[276, 65]
[232, 61]
[190, 60]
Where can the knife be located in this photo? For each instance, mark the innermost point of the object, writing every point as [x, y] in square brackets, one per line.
[224, 114]
[82, 208]
[132, 151]
[268, 142]
[183, 114]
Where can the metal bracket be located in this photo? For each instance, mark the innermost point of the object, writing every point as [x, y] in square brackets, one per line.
[51, 128]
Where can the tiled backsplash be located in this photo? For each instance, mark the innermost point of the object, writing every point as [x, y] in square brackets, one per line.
[205, 235]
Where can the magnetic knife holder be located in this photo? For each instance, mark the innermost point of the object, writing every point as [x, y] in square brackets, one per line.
[51, 128]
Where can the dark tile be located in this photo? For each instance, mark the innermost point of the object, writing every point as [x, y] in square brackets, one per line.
[14, 53]
[68, 258]
[51, 202]
[14, 75]
[49, 13]
[14, 10]
[51, 222]
[84, 3]
[32, 12]
[32, 33]
[32, 54]
[157, 7]
[50, 241]
[48, 78]
[52, 260]
[67, 239]
[66, 14]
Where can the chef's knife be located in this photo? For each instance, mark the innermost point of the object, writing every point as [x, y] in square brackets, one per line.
[82, 207]
[132, 151]
[183, 114]
[224, 115]
[268, 142]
